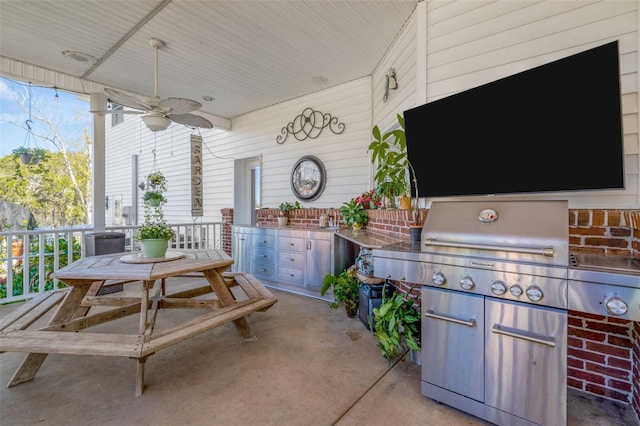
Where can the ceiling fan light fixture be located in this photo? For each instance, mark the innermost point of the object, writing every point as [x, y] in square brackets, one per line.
[156, 122]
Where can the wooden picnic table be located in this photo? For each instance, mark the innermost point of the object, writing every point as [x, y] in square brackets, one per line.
[87, 276]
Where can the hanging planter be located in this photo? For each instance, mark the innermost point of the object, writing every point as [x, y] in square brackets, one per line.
[25, 157]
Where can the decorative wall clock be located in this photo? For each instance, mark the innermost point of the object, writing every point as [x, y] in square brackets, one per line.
[308, 178]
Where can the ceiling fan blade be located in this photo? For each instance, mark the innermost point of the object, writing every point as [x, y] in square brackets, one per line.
[125, 100]
[119, 111]
[179, 105]
[191, 120]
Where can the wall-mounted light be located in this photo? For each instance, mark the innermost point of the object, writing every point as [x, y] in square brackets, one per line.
[390, 83]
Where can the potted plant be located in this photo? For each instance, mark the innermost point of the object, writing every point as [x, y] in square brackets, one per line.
[157, 181]
[369, 199]
[396, 324]
[353, 214]
[395, 173]
[155, 233]
[346, 290]
[29, 155]
[285, 208]
[154, 198]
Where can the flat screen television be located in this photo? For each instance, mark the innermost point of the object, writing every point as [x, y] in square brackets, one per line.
[556, 127]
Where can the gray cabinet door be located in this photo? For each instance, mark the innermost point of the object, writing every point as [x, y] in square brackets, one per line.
[241, 249]
[318, 262]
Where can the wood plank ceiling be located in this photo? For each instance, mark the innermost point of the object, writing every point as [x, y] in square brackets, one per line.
[247, 55]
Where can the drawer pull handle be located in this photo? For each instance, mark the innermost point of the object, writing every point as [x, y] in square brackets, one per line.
[468, 323]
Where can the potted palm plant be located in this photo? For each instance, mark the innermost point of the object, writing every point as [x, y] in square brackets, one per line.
[346, 290]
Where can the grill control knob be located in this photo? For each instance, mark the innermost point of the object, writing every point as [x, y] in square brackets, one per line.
[467, 282]
[439, 278]
[498, 288]
[616, 306]
[534, 293]
[515, 290]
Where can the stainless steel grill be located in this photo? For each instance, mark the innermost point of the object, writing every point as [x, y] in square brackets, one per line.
[608, 286]
[494, 305]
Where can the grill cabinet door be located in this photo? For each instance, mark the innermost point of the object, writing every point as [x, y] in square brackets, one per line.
[453, 341]
[526, 361]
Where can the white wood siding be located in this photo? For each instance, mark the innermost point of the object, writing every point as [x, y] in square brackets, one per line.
[470, 43]
[344, 155]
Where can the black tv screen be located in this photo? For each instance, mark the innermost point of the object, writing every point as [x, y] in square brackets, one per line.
[556, 127]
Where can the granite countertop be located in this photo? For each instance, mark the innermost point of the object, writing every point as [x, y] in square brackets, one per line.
[367, 239]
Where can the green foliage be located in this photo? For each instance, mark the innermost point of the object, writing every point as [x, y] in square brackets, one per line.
[154, 226]
[48, 189]
[346, 288]
[50, 265]
[390, 151]
[397, 325]
[353, 213]
[286, 207]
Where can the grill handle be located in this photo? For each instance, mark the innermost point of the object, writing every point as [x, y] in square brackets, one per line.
[431, 314]
[544, 251]
[549, 341]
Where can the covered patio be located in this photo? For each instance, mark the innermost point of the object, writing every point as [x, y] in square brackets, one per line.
[309, 366]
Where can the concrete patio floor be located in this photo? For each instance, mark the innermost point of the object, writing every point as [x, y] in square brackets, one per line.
[309, 366]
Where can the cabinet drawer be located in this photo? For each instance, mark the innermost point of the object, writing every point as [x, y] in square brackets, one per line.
[291, 259]
[292, 275]
[264, 241]
[290, 243]
[263, 270]
[261, 254]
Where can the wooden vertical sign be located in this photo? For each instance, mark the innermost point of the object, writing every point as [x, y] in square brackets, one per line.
[196, 176]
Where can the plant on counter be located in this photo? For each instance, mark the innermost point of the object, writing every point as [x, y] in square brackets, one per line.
[346, 289]
[354, 214]
[369, 199]
[396, 324]
[394, 174]
[286, 207]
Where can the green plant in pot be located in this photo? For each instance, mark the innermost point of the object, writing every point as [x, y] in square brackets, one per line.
[396, 324]
[285, 208]
[154, 198]
[394, 173]
[354, 214]
[346, 290]
[154, 234]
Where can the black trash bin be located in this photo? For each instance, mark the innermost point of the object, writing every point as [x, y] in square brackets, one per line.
[98, 243]
[371, 298]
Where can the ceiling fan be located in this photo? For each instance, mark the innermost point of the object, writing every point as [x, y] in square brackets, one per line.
[159, 113]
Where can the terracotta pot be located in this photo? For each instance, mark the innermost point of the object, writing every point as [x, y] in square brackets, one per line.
[17, 248]
[405, 203]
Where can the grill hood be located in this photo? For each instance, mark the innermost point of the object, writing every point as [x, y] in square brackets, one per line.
[521, 231]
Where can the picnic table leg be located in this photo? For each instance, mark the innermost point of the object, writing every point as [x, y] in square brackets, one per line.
[217, 283]
[140, 375]
[68, 309]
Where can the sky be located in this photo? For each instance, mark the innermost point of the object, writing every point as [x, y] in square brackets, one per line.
[70, 115]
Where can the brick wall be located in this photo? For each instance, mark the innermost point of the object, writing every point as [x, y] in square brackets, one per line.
[600, 355]
[603, 352]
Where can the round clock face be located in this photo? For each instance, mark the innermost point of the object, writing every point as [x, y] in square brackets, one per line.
[308, 178]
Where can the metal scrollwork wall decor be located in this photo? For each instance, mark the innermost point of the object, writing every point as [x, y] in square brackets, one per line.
[309, 124]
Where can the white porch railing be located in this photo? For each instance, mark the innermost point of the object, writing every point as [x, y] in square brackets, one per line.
[29, 258]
